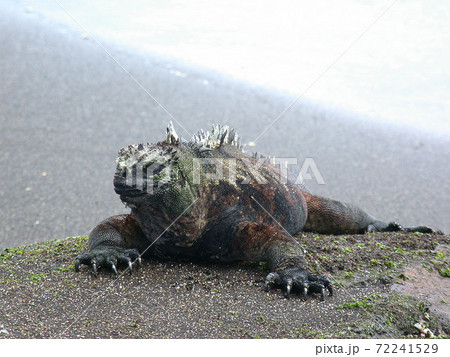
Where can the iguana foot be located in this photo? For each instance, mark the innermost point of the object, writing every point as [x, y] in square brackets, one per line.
[395, 227]
[299, 279]
[109, 258]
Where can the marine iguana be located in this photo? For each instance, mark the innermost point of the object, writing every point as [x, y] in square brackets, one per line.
[205, 199]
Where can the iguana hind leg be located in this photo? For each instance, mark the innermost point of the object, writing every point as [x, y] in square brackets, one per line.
[116, 240]
[329, 216]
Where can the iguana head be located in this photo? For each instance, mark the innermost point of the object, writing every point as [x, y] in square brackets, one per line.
[155, 175]
[161, 175]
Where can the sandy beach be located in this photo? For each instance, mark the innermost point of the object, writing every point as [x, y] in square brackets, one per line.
[67, 108]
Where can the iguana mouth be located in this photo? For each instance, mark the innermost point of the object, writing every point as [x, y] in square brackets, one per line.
[126, 191]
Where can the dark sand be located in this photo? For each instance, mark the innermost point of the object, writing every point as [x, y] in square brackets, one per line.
[42, 296]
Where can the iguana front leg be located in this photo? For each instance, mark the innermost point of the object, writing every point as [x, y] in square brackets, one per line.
[263, 242]
[329, 216]
[116, 240]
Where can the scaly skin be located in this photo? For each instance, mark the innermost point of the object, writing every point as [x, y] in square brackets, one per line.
[182, 209]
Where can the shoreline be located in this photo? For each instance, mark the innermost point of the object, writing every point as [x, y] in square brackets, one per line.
[396, 71]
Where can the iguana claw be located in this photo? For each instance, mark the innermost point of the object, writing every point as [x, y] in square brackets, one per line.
[299, 279]
[94, 266]
[289, 284]
[271, 278]
[395, 227]
[304, 291]
[114, 269]
[77, 265]
[109, 258]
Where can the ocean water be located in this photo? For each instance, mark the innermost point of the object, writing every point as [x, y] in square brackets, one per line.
[382, 60]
